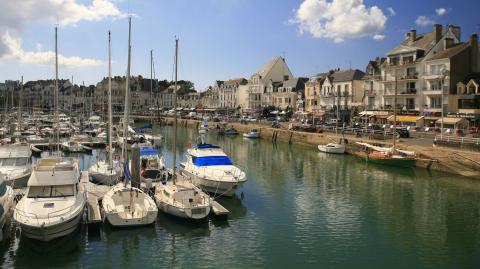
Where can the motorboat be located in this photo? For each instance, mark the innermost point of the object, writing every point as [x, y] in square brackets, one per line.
[332, 148]
[125, 206]
[53, 205]
[231, 131]
[151, 164]
[6, 202]
[182, 199]
[253, 133]
[211, 169]
[74, 147]
[106, 173]
[15, 164]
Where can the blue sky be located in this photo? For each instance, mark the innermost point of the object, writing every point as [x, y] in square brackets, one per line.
[219, 39]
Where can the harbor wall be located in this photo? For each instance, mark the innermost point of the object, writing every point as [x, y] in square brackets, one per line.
[448, 160]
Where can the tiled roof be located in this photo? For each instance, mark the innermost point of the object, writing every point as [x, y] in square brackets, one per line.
[265, 69]
[347, 75]
[450, 52]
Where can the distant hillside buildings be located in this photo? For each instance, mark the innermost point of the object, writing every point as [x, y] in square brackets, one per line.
[419, 69]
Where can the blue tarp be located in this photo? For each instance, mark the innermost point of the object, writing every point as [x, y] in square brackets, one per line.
[126, 171]
[149, 151]
[212, 160]
[207, 146]
[143, 128]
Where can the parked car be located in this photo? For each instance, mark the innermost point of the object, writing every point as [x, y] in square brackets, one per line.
[403, 132]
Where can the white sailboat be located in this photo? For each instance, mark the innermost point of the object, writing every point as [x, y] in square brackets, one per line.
[53, 205]
[107, 172]
[334, 147]
[124, 205]
[181, 199]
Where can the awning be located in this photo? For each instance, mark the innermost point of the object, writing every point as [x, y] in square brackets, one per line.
[450, 120]
[319, 114]
[405, 118]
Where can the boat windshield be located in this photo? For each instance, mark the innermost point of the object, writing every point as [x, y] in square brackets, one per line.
[50, 191]
[211, 160]
[13, 161]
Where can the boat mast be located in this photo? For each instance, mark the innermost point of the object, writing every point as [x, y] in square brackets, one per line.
[127, 93]
[175, 114]
[337, 114]
[20, 107]
[110, 148]
[395, 111]
[56, 93]
[151, 85]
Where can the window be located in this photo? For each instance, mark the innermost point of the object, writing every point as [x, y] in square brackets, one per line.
[471, 89]
[436, 85]
[435, 102]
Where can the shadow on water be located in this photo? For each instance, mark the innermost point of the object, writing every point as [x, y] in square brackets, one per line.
[180, 227]
[236, 208]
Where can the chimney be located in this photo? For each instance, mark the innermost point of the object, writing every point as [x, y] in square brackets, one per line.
[447, 43]
[474, 49]
[413, 35]
[438, 32]
[456, 31]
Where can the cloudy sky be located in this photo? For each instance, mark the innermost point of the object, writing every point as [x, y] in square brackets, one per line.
[219, 39]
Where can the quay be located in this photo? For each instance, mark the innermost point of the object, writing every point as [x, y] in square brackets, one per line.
[443, 159]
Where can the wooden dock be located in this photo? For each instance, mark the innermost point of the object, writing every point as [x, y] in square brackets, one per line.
[94, 195]
[218, 209]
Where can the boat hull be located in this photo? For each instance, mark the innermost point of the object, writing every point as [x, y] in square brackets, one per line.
[334, 150]
[398, 162]
[224, 188]
[104, 179]
[185, 213]
[116, 220]
[49, 233]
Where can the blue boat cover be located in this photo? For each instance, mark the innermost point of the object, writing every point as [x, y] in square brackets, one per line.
[212, 160]
[149, 151]
[207, 146]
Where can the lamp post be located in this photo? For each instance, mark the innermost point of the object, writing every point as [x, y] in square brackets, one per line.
[445, 74]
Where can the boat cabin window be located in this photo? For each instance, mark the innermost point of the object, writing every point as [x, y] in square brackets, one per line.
[21, 162]
[7, 161]
[50, 191]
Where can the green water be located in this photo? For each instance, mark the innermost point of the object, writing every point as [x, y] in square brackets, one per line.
[301, 209]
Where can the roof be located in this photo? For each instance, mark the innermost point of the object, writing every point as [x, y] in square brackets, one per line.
[265, 69]
[424, 42]
[474, 76]
[451, 120]
[347, 75]
[149, 151]
[450, 52]
[236, 81]
[295, 82]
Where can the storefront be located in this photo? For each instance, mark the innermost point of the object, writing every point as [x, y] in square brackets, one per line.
[453, 123]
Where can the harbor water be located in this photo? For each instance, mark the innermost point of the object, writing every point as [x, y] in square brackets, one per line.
[299, 209]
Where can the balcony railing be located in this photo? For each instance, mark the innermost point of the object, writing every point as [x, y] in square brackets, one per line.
[400, 91]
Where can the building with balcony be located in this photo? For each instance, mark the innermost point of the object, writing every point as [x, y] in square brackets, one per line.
[313, 91]
[372, 84]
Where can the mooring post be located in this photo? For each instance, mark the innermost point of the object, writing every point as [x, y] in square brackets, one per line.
[135, 167]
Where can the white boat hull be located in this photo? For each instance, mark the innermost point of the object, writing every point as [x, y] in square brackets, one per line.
[338, 149]
[145, 219]
[249, 135]
[224, 188]
[7, 203]
[48, 233]
[185, 213]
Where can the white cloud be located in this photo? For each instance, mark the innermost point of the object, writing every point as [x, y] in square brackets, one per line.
[391, 11]
[15, 14]
[338, 19]
[440, 11]
[15, 51]
[378, 37]
[424, 21]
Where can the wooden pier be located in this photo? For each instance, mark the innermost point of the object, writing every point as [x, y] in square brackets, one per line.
[94, 194]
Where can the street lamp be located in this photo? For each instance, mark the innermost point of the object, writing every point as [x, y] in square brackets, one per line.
[445, 74]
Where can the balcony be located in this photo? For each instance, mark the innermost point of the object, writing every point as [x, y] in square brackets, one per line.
[432, 75]
[401, 92]
[432, 92]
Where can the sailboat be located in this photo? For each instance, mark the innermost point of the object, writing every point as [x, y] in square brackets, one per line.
[108, 171]
[334, 147]
[388, 155]
[53, 205]
[125, 205]
[181, 199]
